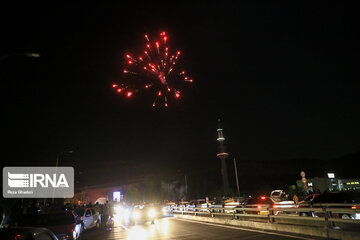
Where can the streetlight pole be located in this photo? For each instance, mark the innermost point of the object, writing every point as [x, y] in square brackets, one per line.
[186, 188]
[237, 180]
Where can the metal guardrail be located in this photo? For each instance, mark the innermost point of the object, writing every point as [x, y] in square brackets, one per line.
[323, 213]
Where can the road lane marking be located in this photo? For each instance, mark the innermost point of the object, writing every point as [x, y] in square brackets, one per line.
[244, 229]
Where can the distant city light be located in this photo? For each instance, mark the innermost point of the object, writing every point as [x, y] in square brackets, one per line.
[116, 196]
[33, 54]
[331, 175]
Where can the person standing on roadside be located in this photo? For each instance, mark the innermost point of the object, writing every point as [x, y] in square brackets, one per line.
[295, 199]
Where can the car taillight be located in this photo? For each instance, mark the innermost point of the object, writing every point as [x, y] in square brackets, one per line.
[275, 206]
[259, 207]
[18, 237]
[355, 207]
[263, 198]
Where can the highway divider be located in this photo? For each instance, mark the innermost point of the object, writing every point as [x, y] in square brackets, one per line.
[286, 221]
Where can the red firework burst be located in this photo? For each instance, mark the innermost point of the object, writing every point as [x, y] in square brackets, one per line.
[156, 70]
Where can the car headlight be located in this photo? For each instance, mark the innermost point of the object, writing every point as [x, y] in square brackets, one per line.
[74, 234]
[152, 213]
[136, 215]
[118, 209]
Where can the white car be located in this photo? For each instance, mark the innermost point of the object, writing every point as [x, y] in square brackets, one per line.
[89, 216]
[232, 203]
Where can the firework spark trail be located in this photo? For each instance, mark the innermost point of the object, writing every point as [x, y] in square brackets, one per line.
[156, 72]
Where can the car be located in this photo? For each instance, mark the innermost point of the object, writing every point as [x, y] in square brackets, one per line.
[191, 206]
[26, 233]
[121, 210]
[232, 203]
[181, 207]
[195, 204]
[166, 210]
[210, 206]
[262, 204]
[277, 193]
[142, 214]
[282, 202]
[204, 207]
[332, 200]
[62, 223]
[216, 206]
[89, 216]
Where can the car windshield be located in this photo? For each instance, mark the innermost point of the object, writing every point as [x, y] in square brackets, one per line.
[278, 199]
[276, 194]
[80, 211]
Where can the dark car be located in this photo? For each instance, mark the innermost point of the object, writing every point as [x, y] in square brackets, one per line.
[262, 204]
[347, 200]
[259, 205]
[62, 223]
[26, 233]
[143, 214]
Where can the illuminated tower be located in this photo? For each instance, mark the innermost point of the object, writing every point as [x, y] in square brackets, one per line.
[222, 154]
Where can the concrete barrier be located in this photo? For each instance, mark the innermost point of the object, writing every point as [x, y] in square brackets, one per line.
[314, 231]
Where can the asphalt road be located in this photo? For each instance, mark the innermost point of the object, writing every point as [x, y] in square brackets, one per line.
[171, 228]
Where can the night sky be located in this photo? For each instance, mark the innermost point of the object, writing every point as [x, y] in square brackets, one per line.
[282, 77]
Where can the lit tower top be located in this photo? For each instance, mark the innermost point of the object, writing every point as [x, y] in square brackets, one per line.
[220, 132]
[221, 139]
[222, 154]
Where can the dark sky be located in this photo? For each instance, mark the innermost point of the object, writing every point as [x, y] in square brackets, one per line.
[282, 77]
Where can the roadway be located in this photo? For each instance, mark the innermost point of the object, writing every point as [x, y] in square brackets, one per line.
[172, 228]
